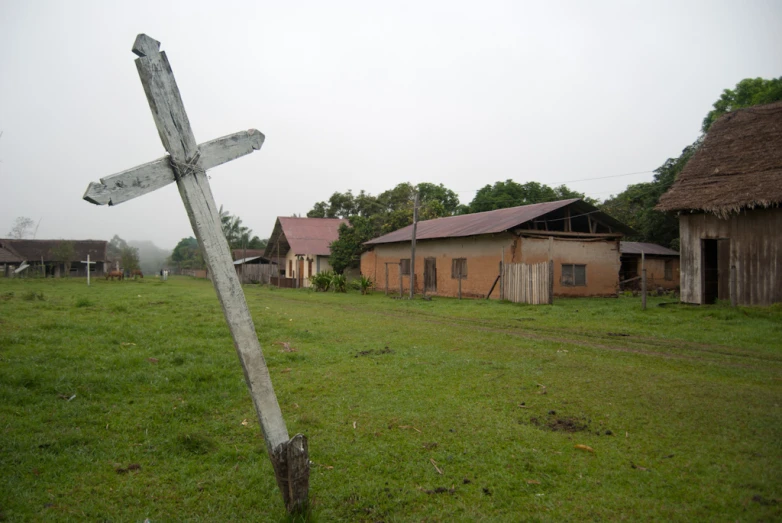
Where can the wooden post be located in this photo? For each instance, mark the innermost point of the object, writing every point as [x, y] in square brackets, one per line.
[643, 280]
[401, 289]
[187, 163]
[551, 282]
[734, 299]
[386, 264]
[412, 246]
[502, 282]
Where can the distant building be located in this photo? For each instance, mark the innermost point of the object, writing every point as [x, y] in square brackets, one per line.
[730, 222]
[300, 247]
[42, 255]
[662, 265]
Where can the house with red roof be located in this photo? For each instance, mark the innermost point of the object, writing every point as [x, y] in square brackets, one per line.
[300, 246]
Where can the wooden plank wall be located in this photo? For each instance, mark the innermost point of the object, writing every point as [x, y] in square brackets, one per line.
[257, 273]
[526, 283]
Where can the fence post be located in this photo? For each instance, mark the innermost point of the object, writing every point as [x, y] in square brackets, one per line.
[502, 283]
[401, 289]
[386, 278]
[733, 287]
[551, 282]
[643, 281]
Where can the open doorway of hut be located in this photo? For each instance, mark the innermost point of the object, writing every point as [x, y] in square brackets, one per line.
[716, 270]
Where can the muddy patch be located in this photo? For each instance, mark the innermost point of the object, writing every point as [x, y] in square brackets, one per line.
[556, 423]
[372, 352]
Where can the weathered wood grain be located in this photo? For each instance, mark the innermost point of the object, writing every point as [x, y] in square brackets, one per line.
[187, 165]
[135, 182]
[177, 136]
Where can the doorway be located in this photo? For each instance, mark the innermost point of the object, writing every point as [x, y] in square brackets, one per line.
[430, 275]
[716, 270]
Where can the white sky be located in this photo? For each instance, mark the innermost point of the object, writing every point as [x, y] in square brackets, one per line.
[359, 95]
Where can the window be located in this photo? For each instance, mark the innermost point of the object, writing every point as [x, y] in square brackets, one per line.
[574, 275]
[459, 268]
[405, 269]
[669, 270]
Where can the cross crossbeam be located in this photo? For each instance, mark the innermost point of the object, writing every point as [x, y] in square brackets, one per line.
[186, 164]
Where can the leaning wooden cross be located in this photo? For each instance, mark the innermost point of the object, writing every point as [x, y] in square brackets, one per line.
[187, 164]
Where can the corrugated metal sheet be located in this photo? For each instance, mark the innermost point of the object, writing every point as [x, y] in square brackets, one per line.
[9, 256]
[646, 248]
[491, 222]
[37, 249]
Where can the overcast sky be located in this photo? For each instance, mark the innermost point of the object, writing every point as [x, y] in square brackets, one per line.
[359, 95]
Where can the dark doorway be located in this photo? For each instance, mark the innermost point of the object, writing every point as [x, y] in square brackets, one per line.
[430, 275]
[716, 272]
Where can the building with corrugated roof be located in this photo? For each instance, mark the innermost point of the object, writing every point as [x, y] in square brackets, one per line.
[580, 240]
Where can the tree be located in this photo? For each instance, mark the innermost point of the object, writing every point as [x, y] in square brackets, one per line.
[237, 235]
[347, 249]
[187, 254]
[748, 92]
[21, 228]
[512, 194]
[64, 252]
[129, 258]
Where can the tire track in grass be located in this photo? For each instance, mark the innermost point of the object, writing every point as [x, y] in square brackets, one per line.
[637, 345]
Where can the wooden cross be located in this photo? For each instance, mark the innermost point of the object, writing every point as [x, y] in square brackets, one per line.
[187, 164]
[88, 262]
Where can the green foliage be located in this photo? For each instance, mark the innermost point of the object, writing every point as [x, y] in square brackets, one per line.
[347, 249]
[236, 234]
[65, 253]
[506, 194]
[363, 284]
[748, 92]
[339, 283]
[321, 281]
[635, 205]
[187, 254]
[129, 258]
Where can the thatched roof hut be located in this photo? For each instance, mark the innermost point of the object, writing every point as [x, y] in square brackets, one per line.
[738, 166]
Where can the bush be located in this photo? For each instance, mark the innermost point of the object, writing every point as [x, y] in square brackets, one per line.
[321, 281]
[363, 284]
[339, 283]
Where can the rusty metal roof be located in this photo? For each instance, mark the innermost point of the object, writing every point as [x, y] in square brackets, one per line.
[491, 222]
[37, 249]
[305, 236]
[646, 248]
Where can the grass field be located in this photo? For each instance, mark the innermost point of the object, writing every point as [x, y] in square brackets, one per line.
[125, 401]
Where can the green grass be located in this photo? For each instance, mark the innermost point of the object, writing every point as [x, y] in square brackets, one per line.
[125, 400]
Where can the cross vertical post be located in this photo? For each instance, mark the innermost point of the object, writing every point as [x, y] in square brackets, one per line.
[88, 262]
[186, 164]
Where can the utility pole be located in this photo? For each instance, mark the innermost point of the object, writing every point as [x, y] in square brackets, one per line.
[412, 246]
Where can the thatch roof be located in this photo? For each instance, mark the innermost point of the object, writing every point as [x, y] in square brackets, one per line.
[738, 166]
